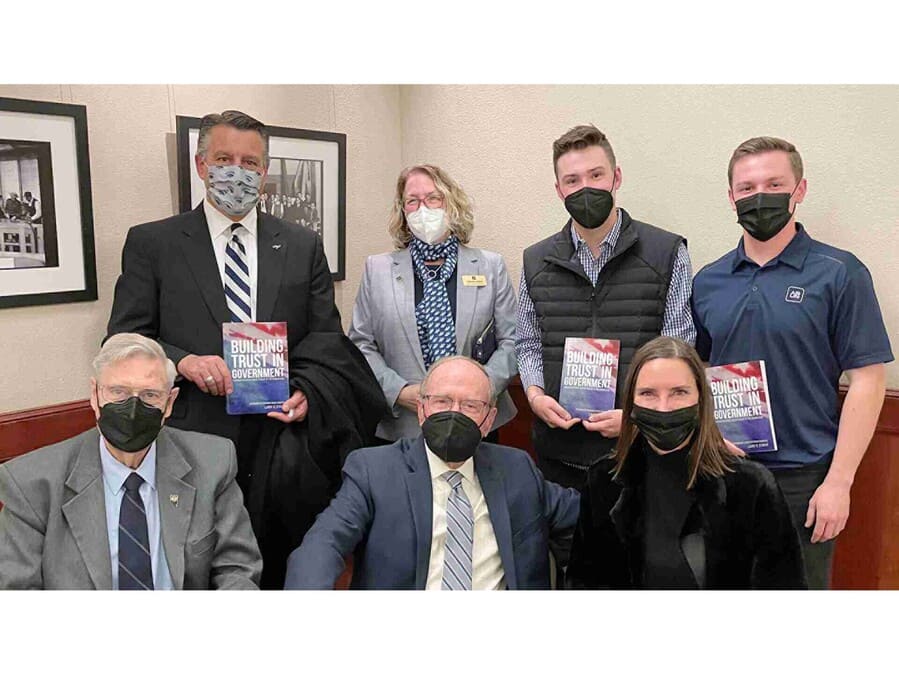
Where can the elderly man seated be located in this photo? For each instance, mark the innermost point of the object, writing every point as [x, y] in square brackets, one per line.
[441, 511]
[129, 505]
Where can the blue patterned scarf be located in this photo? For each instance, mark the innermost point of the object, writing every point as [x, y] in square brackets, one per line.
[434, 314]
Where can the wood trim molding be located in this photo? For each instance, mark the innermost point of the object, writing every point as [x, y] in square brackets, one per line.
[25, 430]
[888, 422]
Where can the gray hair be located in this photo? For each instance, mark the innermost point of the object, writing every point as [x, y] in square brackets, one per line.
[458, 357]
[231, 118]
[126, 345]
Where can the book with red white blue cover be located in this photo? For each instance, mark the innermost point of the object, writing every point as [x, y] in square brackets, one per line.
[256, 355]
[589, 376]
[742, 405]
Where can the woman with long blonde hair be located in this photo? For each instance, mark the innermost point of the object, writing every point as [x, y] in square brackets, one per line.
[433, 296]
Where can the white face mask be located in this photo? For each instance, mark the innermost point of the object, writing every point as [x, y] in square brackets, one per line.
[426, 224]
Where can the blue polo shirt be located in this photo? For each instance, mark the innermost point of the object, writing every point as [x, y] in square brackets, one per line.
[810, 313]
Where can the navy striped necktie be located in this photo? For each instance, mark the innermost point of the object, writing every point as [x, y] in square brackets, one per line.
[135, 569]
[459, 537]
[237, 279]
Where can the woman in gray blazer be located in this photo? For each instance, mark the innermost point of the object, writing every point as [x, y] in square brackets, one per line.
[432, 297]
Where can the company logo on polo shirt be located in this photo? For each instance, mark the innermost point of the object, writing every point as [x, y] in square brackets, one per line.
[795, 294]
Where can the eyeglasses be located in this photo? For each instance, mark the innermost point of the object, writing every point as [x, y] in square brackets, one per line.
[439, 403]
[432, 201]
[117, 394]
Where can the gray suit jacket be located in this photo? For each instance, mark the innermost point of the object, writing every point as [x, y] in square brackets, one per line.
[53, 521]
[384, 328]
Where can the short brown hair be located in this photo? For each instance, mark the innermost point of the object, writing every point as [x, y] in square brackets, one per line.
[578, 138]
[759, 144]
[231, 118]
[709, 456]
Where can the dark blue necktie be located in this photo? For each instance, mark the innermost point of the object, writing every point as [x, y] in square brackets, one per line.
[237, 279]
[135, 570]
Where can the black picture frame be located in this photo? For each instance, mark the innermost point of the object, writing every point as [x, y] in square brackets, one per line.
[47, 251]
[303, 164]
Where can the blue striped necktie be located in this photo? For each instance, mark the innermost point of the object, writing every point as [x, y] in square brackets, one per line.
[135, 570]
[237, 279]
[459, 529]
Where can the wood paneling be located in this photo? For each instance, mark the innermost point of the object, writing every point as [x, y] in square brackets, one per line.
[516, 433]
[29, 429]
[867, 552]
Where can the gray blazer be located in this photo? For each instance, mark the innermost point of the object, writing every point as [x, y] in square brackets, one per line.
[53, 521]
[384, 328]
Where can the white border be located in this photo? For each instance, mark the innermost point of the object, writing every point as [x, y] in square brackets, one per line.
[59, 130]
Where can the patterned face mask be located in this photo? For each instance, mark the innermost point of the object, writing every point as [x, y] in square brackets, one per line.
[233, 189]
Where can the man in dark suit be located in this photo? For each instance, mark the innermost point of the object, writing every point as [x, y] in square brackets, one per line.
[442, 511]
[174, 272]
[129, 504]
[182, 277]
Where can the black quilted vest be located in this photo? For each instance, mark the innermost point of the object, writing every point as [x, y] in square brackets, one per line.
[627, 304]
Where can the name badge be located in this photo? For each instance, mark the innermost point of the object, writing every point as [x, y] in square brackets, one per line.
[474, 280]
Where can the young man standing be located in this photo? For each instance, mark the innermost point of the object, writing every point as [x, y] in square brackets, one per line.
[604, 275]
[810, 311]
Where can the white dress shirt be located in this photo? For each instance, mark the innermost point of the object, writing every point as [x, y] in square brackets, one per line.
[220, 232]
[486, 565]
[114, 476]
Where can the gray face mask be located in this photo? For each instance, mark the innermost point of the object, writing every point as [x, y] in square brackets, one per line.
[233, 189]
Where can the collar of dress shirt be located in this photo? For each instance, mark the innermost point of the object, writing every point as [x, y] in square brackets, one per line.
[219, 223]
[439, 467]
[611, 238]
[115, 473]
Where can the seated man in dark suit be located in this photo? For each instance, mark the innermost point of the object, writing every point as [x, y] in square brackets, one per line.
[442, 511]
[129, 505]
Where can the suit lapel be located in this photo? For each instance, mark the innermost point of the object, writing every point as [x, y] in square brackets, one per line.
[176, 504]
[466, 296]
[404, 297]
[271, 252]
[421, 502]
[85, 512]
[497, 504]
[196, 244]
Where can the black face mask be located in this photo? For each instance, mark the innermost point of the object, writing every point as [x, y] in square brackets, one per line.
[764, 214]
[130, 426]
[589, 206]
[666, 430]
[452, 436]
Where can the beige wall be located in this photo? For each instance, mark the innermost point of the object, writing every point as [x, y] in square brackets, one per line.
[672, 142]
[132, 151]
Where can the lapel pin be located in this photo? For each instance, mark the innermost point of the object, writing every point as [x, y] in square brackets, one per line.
[173, 499]
[276, 246]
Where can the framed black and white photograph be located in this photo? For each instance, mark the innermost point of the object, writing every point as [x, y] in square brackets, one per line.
[46, 213]
[306, 182]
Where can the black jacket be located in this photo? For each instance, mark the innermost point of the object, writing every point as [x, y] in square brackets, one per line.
[739, 532]
[627, 303]
[296, 467]
[171, 290]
